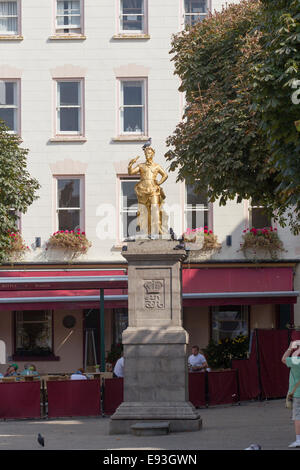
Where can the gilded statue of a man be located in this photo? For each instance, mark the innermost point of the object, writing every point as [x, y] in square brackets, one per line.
[149, 193]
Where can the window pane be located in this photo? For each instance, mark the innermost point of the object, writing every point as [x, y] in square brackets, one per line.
[259, 218]
[69, 119]
[69, 93]
[129, 198]
[196, 199]
[132, 93]
[195, 6]
[8, 18]
[68, 193]
[133, 120]
[34, 333]
[229, 322]
[7, 92]
[133, 7]
[9, 117]
[129, 224]
[68, 219]
[196, 219]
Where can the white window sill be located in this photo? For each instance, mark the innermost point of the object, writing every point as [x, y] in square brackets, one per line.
[12, 37]
[131, 36]
[67, 37]
[68, 138]
[131, 138]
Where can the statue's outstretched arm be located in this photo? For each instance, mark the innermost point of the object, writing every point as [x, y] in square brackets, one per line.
[133, 171]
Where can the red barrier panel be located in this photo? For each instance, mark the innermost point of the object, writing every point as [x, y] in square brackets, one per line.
[20, 400]
[222, 387]
[73, 398]
[113, 395]
[248, 377]
[274, 374]
[197, 388]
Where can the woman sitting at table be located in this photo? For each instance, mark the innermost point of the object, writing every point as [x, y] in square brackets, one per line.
[29, 369]
[78, 375]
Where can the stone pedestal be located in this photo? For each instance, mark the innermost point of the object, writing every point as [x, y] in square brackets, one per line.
[155, 355]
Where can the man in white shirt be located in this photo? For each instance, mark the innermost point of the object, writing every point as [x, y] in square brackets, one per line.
[119, 368]
[78, 375]
[196, 361]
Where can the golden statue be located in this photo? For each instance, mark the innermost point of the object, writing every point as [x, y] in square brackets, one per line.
[149, 193]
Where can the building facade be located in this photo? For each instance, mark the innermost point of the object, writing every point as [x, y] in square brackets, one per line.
[85, 83]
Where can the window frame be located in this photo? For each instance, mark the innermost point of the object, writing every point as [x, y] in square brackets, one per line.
[18, 33]
[250, 216]
[121, 106]
[133, 32]
[208, 209]
[16, 106]
[81, 209]
[70, 33]
[245, 309]
[81, 107]
[184, 14]
[24, 357]
[120, 212]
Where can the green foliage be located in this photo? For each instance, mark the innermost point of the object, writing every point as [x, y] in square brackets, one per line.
[223, 139]
[17, 188]
[219, 355]
[275, 79]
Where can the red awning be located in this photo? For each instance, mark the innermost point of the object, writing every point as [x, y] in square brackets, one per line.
[35, 290]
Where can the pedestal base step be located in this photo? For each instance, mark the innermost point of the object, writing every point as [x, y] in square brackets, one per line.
[150, 428]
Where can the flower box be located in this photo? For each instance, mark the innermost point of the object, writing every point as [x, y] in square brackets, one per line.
[17, 248]
[68, 244]
[200, 242]
[261, 243]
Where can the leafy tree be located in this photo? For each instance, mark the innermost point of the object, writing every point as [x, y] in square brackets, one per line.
[17, 187]
[276, 97]
[220, 141]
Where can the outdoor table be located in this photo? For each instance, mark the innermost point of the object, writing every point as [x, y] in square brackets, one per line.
[20, 399]
[73, 398]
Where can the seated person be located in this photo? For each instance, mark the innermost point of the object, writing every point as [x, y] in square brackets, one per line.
[29, 369]
[196, 361]
[11, 370]
[119, 367]
[78, 375]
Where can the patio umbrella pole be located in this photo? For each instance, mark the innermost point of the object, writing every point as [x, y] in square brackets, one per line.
[102, 334]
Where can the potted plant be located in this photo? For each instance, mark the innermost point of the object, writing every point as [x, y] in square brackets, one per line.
[16, 248]
[201, 241]
[220, 354]
[73, 242]
[261, 242]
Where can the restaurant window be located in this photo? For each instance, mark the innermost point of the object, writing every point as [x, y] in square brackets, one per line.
[69, 193]
[33, 333]
[132, 16]
[132, 106]
[258, 217]
[128, 208]
[69, 107]
[9, 18]
[229, 321]
[120, 323]
[196, 208]
[9, 104]
[194, 11]
[69, 17]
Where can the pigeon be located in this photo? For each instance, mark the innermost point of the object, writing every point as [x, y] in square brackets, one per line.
[41, 440]
[253, 447]
[181, 245]
[173, 236]
[148, 143]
